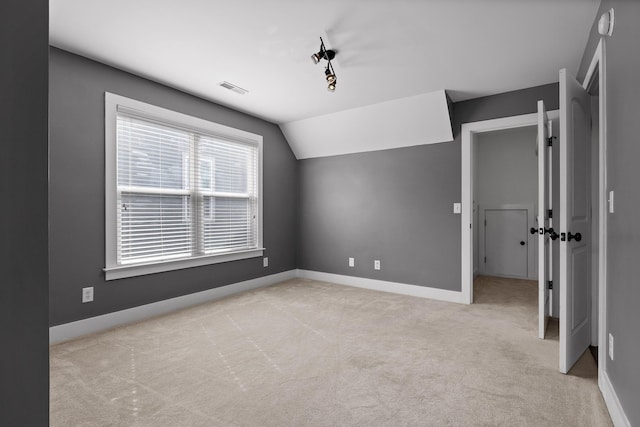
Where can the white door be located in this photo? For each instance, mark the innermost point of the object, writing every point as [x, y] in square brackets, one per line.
[544, 193]
[505, 238]
[575, 221]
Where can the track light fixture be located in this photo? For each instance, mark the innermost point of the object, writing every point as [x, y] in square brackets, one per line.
[328, 55]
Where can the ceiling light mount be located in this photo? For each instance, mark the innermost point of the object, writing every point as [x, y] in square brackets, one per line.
[327, 55]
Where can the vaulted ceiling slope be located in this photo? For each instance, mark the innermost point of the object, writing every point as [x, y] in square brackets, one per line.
[416, 120]
[390, 54]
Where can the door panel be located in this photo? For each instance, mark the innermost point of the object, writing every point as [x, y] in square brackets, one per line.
[581, 167]
[580, 290]
[575, 192]
[505, 229]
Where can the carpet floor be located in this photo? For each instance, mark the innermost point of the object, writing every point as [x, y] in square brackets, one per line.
[308, 353]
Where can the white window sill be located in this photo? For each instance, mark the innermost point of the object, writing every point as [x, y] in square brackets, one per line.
[123, 271]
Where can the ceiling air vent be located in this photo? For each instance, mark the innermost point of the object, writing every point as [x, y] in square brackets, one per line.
[233, 88]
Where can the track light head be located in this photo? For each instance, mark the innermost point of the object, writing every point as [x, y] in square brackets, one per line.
[331, 87]
[331, 78]
[323, 54]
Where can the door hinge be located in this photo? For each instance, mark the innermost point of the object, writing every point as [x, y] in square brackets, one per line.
[549, 284]
[550, 213]
[550, 141]
[485, 260]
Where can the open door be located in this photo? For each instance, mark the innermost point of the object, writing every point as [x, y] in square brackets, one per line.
[544, 158]
[575, 221]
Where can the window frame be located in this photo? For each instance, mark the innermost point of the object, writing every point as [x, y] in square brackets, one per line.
[117, 103]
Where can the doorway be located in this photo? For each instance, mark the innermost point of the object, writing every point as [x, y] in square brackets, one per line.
[505, 194]
[471, 132]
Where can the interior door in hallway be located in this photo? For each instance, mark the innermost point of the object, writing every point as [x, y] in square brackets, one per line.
[506, 242]
[575, 221]
[544, 220]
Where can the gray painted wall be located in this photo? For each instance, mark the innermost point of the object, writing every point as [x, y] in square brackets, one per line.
[76, 208]
[507, 167]
[24, 359]
[396, 205]
[623, 154]
[393, 205]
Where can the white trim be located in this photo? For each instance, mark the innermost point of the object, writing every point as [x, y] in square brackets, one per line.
[384, 286]
[598, 63]
[566, 177]
[468, 132]
[123, 271]
[117, 103]
[72, 330]
[616, 412]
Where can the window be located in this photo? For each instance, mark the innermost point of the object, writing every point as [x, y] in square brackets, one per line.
[180, 191]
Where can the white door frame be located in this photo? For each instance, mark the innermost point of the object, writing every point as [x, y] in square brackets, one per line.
[468, 134]
[598, 64]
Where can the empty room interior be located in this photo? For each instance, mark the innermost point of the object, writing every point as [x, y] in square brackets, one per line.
[320, 213]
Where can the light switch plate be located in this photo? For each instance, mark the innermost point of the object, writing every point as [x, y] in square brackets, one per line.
[611, 201]
[457, 208]
[352, 262]
[610, 346]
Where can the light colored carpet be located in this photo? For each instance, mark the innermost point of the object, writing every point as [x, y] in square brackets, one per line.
[316, 354]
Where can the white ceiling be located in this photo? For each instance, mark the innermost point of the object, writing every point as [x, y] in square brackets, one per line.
[387, 50]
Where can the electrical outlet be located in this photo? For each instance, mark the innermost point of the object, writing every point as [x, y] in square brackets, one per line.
[352, 262]
[610, 346]
[376, 264]
[87, 294]
[265, 261]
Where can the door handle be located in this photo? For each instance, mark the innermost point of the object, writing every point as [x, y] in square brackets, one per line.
[552, 234]
[533, 230]
[521, 242]
[570, 236]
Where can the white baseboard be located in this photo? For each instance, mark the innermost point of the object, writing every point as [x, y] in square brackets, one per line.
[72, 330]
[616, 412]
[384, 286]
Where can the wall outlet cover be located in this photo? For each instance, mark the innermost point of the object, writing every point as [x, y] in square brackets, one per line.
[265, 261]
[87, 294]
[352, 262]
[376, 264]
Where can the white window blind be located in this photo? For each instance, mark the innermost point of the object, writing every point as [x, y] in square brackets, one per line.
[181, 192]
[227, 183]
